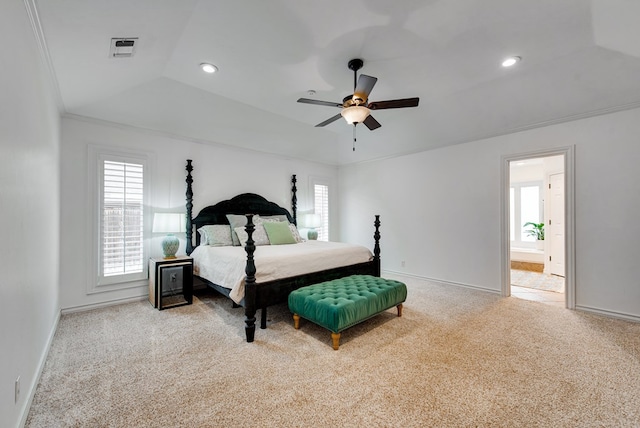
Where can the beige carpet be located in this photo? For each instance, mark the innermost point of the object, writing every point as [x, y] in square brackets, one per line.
[456, 358]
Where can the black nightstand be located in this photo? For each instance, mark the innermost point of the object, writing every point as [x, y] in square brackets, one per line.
[170, 282]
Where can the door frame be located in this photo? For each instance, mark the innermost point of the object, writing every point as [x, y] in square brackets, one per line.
[569, 219]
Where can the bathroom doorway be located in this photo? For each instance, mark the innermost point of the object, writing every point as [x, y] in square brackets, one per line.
[536, 259]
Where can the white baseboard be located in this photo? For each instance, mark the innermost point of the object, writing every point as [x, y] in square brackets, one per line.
[443, 282]
[610, 314]
[596, 311]
[36, 379]
[83, 308]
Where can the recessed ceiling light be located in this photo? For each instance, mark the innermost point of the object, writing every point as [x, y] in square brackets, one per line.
[512, 60]
[208, 68]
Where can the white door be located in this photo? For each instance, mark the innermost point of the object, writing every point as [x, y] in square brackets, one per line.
[555, 224]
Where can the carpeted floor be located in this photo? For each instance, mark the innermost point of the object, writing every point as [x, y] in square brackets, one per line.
[456, 358]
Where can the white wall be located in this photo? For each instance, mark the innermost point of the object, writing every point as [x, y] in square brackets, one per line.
[220, 172]
[441, 208]
[29, 211]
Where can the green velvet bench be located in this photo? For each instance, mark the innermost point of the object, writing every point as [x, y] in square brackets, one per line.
[342, 303]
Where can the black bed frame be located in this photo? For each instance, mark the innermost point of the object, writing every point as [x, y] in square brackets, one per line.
[264, 294]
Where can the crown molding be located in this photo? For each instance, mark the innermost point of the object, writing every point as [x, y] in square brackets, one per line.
[210, 143]
[34, 19]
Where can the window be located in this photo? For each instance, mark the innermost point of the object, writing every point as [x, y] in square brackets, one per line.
[122, 218]
[321, 206]
[119, 220]
[526, 205]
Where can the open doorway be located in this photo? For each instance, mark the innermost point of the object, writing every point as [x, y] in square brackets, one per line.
[537, 227]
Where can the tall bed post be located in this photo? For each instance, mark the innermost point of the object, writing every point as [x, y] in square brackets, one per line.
[189, 230]
[250, 283]
[376, 247]
[294, 199]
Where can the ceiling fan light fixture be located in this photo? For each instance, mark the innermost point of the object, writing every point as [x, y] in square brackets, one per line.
[355, 114]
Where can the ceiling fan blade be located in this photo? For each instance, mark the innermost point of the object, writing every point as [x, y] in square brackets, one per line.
[364, 86]
[371, 123]
[330, 120]
[319, 103]
[406, 102]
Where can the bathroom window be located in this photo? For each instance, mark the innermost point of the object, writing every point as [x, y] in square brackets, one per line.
[526, 205]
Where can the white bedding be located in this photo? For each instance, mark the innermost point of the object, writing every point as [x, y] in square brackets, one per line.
[225, 265]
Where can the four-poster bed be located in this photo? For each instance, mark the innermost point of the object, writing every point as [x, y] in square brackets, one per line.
[257, 293]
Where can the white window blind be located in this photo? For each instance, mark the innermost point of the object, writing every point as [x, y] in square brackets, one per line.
[321, 206]
[122, 212]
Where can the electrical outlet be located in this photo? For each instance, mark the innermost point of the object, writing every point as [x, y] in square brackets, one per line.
[402, 263]
[17, 389]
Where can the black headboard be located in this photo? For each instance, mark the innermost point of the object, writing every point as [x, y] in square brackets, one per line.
[245, 203]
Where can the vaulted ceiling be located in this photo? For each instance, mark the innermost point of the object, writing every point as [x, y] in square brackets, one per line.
[579, 58]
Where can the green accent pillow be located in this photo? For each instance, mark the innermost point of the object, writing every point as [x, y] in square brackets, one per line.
[279, 233]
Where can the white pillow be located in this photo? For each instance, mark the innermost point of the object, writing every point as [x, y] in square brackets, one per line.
[260, 220]
[239, 220]
[295, 233]
[259, 235]
[217, 235]
[203, 236]
[276, 217]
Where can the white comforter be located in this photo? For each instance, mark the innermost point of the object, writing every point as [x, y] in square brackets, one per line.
[225, 265]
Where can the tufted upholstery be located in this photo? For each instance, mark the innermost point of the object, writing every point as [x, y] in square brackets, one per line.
[344, 302]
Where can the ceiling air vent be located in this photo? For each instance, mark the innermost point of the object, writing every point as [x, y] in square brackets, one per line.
[123, 47]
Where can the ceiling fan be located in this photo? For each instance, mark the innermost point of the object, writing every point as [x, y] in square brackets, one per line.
[356, 108]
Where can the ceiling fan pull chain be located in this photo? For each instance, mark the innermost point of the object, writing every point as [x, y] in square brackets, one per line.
[354, 137]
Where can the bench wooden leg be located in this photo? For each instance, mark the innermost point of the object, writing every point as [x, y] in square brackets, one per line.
[296, 321]
[336, 340]
[399, 309]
